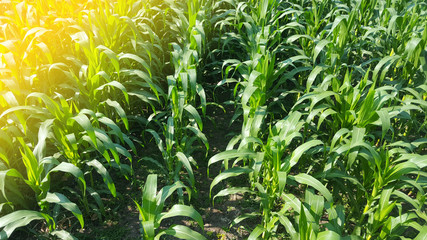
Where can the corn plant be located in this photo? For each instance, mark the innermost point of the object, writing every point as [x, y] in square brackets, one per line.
[174, 160]
[37, 177]
[183, 124]
[268, 172]
[151, 212]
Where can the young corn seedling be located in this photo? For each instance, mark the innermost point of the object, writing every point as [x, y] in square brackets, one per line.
[151, 212]
[173, 156]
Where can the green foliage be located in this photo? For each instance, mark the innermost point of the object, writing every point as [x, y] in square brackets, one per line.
[151, 212]
[317, 117]
[330, 97]
[71, 115]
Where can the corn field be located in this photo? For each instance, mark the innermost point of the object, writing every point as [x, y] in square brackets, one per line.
[325, 103]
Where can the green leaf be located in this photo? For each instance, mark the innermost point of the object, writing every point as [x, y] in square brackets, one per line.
[202, 95]
[200, 135]
[147, 227]
[170, 132]
[186, 163]
[314, 183]
[282, 180]
[315, 202]
[44, 130]
[334, 173]
[70, 168]
[64, 235]
[249, 90]
[296, 37]
[149, 198]
[20, 218]
[51, 105]
[338, 135]
[116, 85]
[184, 211]
[385, 121]
[111, 124]
[34, 170]
[245, 216]
[165, 192]
[422, 235]
[143, 76]
[384, 206]
[232, 190]
[232, 172]
[182, 232]
[119, 110]
[111, 55]
[62, 200]
[12, 173]
[292, 201]
[357, 138]
[304, 229]
[193, 112]
[313, 74]
[85, 123]
[299, 151]
[135, 58]
[256, 232]
[288, 225]
[157, 138]
[192, 73]
[105, 175]
[97, 199]
[229, 154]
[320, 45]
[328, 235]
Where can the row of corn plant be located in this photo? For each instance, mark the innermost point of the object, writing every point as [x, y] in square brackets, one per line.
[257, 23]
[346, 136]
[180, 123]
